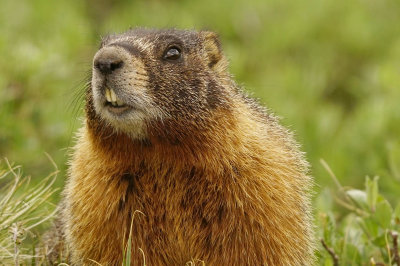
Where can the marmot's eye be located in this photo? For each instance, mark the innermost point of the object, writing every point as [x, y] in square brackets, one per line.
[173, 53]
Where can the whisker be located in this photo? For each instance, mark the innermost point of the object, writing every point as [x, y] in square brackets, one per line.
[75, 105]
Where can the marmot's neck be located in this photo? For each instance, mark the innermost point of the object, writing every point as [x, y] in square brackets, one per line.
[190, 143]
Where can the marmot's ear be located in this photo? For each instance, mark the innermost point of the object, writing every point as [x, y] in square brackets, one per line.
[213, 51]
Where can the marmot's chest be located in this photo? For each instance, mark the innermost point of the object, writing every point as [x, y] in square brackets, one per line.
[167, 209]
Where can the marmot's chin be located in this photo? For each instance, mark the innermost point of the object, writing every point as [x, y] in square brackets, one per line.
[130, 122]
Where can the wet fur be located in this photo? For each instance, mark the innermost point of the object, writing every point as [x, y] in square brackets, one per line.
[217, 179]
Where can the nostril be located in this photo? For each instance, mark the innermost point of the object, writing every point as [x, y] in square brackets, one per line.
[115, 65]
[106, 66]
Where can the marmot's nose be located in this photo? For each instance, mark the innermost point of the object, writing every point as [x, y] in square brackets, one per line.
[108, 63]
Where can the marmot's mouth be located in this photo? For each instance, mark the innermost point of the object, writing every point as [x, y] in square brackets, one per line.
[113, 103]
[112, 98]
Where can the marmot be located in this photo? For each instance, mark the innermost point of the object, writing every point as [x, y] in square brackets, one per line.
[174, 154]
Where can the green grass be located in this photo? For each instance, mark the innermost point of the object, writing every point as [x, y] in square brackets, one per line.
[329, 68]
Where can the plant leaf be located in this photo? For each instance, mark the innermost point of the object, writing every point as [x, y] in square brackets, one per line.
[383, 213]
[359, 197]
[371, 187]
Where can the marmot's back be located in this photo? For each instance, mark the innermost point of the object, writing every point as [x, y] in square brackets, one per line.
[174, 153]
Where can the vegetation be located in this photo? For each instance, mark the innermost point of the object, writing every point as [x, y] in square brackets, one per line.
[330, 68]
[23, 208]
[366, 234]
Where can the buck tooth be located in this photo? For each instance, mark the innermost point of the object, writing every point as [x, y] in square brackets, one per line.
[108, 95]
[113, 96]
[119, 103]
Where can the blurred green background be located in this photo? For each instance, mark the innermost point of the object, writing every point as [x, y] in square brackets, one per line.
[329, 68]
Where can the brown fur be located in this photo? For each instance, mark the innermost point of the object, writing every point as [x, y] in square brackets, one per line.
[216, 179]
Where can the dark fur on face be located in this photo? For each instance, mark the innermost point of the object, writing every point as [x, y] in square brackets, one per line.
[169, 98]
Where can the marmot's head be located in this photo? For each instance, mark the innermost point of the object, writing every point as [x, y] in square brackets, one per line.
[146, 81]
